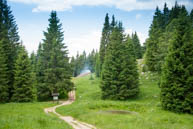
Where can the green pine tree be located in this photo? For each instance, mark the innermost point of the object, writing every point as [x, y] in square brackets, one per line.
[137, 46]
[73, 65]
[166, 14]
[156, 29]
[33, 61]
[97, 66]
[10, 39]
[79, 64]
[113, 23]
[24, 89]
[119, 75]
[104, 41]
[92, 61]
[4, 91]
[42, 90]
[177, 74]
[54, 62]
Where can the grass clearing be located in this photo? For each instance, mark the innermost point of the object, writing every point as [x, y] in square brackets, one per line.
[89, 107]
[29, 116]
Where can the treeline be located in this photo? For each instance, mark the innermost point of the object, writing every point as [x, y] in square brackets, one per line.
[169, 52]
[117, 61]
[24, 79]
[84, 62]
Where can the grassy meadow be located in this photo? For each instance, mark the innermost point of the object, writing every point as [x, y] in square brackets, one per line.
[145, 110]
[29, 116]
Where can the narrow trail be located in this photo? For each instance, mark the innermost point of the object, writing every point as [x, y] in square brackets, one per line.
[70, 120]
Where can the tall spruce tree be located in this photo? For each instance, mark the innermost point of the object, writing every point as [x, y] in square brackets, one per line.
[104, 40]
[177, 74]
[4, 89]
[113, 23]
[77, 65]
[73, 65]
[166, 14]
[137, 46]
[153, 41]
[33, 61]
[92, 61]
[10, 39]
[54, 62]
[24, 89]
[129, 75]
[175, 11]
[42, 90]
[119, 75]
[97, 66]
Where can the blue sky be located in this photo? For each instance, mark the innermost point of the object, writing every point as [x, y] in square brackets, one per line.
[83, 20]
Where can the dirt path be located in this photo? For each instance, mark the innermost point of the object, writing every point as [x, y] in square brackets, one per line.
[70, 120]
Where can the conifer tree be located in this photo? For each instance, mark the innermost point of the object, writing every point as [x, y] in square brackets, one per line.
[191, 14]
[54, 62]
[137, 46]
[10, 39]
[119, 75]
[33, 61]
[4, 91]
[113, 23]
[79, 64]
[81, 61]
[84, 57]
[73, 65]
[166, 14]
[97, 66]
[104, 40]
[177, 74]
[76, 66]
[92, 61]
[40, 67]
[130, 45]
[175, 11]
[24, 90]
[153, 41]
[112, 66]
[129, 75]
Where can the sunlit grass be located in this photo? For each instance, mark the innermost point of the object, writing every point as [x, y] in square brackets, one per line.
[29, 116]
[146, 108]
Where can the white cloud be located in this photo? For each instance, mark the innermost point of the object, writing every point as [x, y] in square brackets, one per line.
[142, 36]
[127, 5]
[83, 42]
[78, 44]
[32, 38]
[92, 41]
[86, 42]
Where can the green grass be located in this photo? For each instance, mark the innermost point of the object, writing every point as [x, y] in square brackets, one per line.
[148, 113]
[29, 116]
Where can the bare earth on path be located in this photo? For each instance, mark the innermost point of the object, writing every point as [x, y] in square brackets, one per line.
[70, 120]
